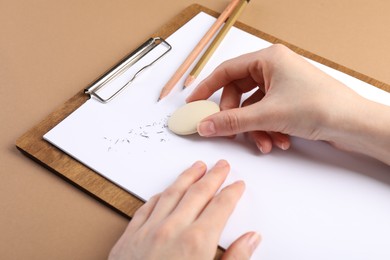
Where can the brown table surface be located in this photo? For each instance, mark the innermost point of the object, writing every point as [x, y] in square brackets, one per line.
[50, 50]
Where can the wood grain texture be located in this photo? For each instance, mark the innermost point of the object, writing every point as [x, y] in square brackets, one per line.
[33, 145]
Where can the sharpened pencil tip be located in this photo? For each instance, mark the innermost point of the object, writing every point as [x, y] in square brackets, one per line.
[189, 81]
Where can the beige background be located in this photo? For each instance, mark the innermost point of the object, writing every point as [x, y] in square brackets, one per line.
[49, 50]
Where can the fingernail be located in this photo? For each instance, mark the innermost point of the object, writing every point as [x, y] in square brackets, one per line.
[206, 128]
[198, 164]
[259, 147]
[283, 145]
[254, 241]
[221, 164]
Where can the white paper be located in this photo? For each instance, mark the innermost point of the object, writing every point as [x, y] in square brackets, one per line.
[311, 202]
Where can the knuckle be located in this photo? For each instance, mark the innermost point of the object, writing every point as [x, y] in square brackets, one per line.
[144, 210]
[224, 72]
[206, 89]
[279, 52]
[232, 122]
[154, 197]
[140, 213]
[223, 65]
[279, 48]
[201, 189]
[170, 193]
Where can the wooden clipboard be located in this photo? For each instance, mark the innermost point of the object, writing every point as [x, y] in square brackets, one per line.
[33, 145]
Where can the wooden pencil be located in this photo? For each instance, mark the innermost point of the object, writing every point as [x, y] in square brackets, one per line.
[198, 49]
[216, 42]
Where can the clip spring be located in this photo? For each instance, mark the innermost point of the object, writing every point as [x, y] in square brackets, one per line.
[125, 64]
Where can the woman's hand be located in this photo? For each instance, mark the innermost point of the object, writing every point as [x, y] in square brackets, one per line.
[292, 98]
[186, 220]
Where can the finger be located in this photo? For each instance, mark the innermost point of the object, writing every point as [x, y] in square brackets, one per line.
[243, 247]
[171, 196]
[280, 140]
[216, 214]
[258, 137]
[199, 194]
[266, 140]
[234, 121]
[232, 92]
[142, 214]
[230, 98]
[262, 140]
[255, 97]
[242, 67]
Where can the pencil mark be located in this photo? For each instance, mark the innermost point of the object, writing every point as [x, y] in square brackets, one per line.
[149, 133]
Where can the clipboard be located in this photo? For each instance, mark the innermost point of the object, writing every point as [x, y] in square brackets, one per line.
[32, 144]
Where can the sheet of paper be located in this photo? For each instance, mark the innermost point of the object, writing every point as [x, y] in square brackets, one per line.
[311, 202]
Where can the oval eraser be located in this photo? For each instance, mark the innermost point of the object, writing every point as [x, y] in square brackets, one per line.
[184, 121]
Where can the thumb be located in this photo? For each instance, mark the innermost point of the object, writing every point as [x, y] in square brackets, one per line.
[243, 247]
[230, 122]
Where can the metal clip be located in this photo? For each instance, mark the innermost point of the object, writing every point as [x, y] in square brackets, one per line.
[124, 65]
